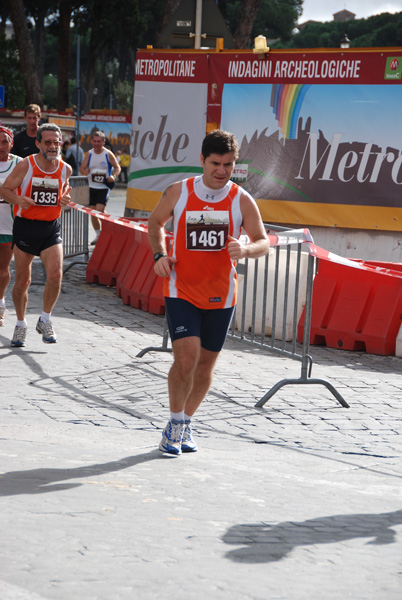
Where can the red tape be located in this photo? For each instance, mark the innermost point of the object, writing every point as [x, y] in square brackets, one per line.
[283, 238]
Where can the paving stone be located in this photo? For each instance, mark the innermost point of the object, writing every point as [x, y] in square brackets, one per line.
[299, 499]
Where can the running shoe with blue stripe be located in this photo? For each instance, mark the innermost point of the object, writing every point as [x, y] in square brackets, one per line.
[20, 333]
[46, 329]
[172, 437]
[187, 443]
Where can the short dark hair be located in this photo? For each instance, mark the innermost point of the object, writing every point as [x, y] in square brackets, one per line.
[32, 108]
[220, 142]
[47, 127]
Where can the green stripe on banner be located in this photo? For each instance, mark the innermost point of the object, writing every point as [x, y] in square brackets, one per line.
[163, 171]
[281, 183]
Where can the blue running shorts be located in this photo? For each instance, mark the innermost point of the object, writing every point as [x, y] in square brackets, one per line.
[186, 320]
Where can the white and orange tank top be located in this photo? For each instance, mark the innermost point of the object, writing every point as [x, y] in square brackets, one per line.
[44, 188]
[204, 273]
[6, 214]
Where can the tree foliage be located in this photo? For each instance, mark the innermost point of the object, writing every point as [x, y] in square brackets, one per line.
[249, 11]
[383, 30]
[114, 26]
[110, 32]
[25, 51]
[10, 72]
[271, 18]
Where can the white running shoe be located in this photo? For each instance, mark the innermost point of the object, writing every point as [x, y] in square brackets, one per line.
[172, 437]
[20, 333]
[187, 442]
[46, 329]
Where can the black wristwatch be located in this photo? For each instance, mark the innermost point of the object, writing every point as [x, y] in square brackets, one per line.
[158, 255]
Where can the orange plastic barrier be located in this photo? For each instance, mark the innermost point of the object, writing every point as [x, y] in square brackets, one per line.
[137, 281]
[355, 309]
[123, 257]
[114, 244]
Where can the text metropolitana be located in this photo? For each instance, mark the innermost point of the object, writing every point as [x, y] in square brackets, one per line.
[165, 68]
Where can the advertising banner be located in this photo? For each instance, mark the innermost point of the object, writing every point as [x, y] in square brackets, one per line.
[117, 129]
[319, 133]
[168, 124]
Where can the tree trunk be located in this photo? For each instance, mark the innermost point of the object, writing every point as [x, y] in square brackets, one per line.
[64, 54]
[94, 53]
[248, 13]
[100, 103]
[40, 47]
[26, 52]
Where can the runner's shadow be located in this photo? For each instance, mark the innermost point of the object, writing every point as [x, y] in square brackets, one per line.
[11, 350]
[39, 481]
[264, 543]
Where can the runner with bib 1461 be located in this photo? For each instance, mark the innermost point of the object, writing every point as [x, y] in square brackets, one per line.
[200, 284]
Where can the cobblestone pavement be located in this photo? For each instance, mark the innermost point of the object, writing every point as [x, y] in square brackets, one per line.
[300, 499]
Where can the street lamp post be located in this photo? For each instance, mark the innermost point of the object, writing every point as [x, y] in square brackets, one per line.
[110, 77]
[95, 97]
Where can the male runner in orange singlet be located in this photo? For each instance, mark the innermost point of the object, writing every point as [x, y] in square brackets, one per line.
[38, 189]
[200, 284]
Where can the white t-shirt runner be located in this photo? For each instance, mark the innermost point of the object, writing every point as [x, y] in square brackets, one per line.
[99, 169]
[6, 211]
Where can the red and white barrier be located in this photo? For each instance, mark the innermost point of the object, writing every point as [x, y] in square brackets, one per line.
[356, 305]
[123, 257]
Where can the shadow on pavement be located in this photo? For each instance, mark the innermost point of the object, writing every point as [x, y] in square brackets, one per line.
[39, 481]
[264, 543]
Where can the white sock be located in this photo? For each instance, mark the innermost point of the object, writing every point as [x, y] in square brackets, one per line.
[187, 418]
[3, 302]
[179, 416]
[45, 317]
[22, 323]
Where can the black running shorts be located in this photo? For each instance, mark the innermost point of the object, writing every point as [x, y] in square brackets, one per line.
[186, 320]
[97, 196]
[33, 237]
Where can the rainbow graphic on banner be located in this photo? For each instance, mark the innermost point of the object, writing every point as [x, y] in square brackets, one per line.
[286, 101]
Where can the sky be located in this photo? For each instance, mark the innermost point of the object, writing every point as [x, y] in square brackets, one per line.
[322, 10]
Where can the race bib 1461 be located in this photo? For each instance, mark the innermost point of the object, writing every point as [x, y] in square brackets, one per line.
[207, 230]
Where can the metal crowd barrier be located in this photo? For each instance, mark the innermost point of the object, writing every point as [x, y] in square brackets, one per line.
[74, 224]
[165, 343]
[268, 311]
[286, 287]
[74, 232]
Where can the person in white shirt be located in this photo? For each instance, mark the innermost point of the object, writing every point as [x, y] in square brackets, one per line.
[7, 164]
[101, 167]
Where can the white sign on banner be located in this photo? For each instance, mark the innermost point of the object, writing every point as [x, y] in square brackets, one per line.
[168, 126]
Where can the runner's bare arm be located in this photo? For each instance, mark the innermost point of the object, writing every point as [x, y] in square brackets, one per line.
[254, 227]
[84, 167]
[12, 182]
[65, 194]
[161, 214]
[116, 167]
